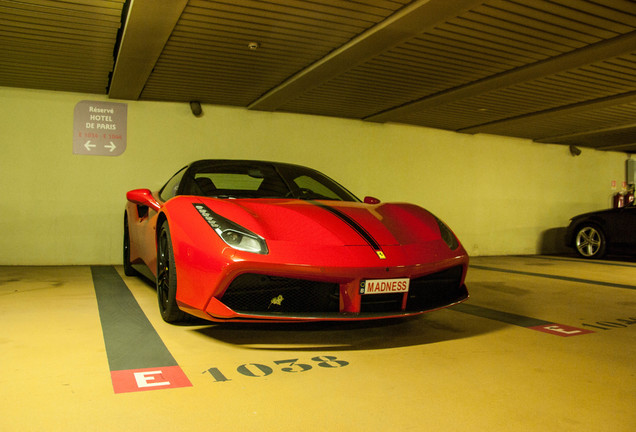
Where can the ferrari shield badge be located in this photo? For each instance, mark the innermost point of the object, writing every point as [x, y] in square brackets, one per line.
[380, 254]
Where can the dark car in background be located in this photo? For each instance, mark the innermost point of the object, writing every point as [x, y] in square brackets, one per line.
[594, 234]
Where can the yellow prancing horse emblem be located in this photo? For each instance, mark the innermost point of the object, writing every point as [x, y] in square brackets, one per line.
[276, 301]
[380, 254]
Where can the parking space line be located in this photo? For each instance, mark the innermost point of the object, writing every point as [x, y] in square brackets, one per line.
[509, 318]
[563, 278]
[520, 320]
[137, 357]
[579, 260]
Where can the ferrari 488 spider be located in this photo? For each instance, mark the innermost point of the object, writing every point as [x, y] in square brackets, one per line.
[594, 234]
[263, 241]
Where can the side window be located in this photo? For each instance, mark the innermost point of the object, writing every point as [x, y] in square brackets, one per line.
[306, 182]
[170, 188]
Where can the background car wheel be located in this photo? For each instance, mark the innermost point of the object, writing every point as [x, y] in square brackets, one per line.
[590, 241]
[128, 268]
[167, 279]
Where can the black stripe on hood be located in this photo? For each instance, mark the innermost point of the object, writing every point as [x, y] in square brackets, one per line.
[352, 223]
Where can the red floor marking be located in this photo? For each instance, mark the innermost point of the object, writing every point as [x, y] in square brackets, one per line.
[561, 330]
[135, 380]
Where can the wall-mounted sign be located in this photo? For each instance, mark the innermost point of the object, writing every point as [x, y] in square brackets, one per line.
[99, 128]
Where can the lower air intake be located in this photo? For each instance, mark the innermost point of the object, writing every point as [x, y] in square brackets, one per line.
[436, 290]
[425, 293]
[271, 294]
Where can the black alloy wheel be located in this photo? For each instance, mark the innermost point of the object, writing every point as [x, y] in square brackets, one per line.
[167, 279]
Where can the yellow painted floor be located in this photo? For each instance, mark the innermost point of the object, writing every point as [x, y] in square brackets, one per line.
[475, 367]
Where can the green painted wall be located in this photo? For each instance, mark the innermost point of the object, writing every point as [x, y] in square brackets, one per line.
[500, 195]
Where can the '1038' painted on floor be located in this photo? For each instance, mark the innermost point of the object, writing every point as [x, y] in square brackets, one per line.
[608, 325]
[256, 370]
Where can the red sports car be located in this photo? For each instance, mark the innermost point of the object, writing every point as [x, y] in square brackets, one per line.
[263, 241]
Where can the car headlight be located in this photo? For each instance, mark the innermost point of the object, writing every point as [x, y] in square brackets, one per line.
[447, 235]
[231, 233]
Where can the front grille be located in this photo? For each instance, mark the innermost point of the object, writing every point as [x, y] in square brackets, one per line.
[425, 293]
[271, 294]
[436, 290]
[381, 302]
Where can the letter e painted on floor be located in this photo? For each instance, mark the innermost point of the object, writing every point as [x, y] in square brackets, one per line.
[561, 330]
[150, 379]
[125, 381]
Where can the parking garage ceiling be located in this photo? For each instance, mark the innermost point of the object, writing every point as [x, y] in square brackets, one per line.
[554, 71]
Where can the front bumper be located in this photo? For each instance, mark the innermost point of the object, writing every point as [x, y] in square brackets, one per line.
[267, 297]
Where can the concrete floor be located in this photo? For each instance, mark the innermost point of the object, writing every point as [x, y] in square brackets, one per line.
[543, 344]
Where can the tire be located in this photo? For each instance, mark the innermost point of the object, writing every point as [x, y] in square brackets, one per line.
[167, 279]
[589, 241]
[128, 268]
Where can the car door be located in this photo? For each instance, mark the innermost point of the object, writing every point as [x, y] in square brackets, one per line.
[622, 226]
[628, 221]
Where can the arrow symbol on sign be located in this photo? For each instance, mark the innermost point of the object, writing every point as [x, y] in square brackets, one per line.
[88, 145]
[112, 146]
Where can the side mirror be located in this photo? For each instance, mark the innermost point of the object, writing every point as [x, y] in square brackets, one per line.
[143, 197]
[371, 200]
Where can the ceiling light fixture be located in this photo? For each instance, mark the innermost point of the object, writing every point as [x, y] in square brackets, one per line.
[195, 106]
[253, 45]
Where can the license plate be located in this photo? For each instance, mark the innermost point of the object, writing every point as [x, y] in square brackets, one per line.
[384, 286]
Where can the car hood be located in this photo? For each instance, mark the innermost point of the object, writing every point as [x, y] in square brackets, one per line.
[329, 222]
[596, 213]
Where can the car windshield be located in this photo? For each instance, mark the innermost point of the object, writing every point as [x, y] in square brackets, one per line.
[247, 179]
